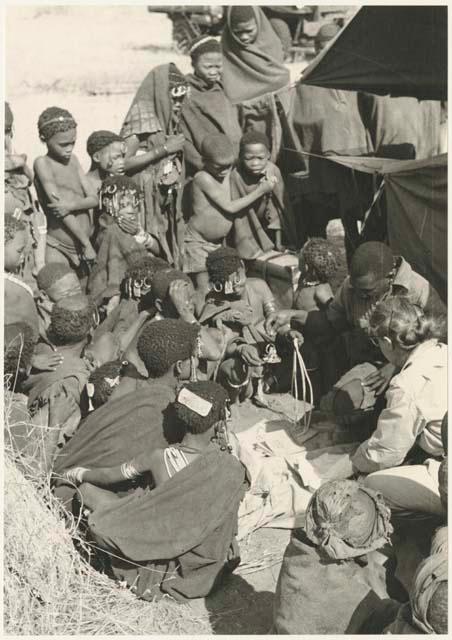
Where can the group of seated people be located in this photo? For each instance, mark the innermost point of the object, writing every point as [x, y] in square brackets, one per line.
[127, 345]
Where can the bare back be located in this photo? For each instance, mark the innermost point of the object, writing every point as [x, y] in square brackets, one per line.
[207, 218]
[68, 186]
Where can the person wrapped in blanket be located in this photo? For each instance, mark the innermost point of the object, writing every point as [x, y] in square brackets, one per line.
[334, 573]
[241, 305]
[55, 394]
[253, 69]
[154, 158]
[119, 199]
[181, 499]
[55, 281]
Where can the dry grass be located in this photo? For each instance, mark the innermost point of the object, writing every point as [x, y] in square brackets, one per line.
[49, 589]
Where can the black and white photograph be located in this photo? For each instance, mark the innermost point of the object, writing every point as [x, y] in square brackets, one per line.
[225, 357]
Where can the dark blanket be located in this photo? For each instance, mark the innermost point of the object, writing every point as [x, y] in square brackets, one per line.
[248, 234]
[151, 119]
[250, 71]
[317, 596]
[181, 531]
[206, 110]
[402, 121]
[117, 432]
[115, 248]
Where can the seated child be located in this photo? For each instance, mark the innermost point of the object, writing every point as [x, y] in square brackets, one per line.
[332, 576]
[241, 304]
[136, 304]
[120, 198]
[174, 297]
[317, 263]
[202, 520]
[268, 223]
[19, 301]
[64, 192]
[18, 197]
[214, 208]
[56, 395]
[55, 281]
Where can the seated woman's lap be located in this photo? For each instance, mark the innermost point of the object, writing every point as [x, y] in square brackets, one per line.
[409, 487]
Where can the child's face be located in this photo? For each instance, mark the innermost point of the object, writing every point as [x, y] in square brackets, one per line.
[61, 145]
[255, 158]
[246, 32]
[209, 67]
[15, 252]
[128, 204]
[219, 170]
[111, 158]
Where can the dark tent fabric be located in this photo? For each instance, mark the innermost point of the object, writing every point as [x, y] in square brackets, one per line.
[395, 50]
[416, 193]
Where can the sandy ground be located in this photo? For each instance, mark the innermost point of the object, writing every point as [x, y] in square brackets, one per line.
[90, 60]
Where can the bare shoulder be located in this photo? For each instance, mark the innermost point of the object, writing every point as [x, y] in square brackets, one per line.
[203, 179]
[260, 286]
[41, 163]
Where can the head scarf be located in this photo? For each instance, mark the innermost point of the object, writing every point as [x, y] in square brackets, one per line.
[347, 520]
[251, 71]
[431, 572]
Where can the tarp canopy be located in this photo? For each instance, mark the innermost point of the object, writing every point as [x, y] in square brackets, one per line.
[416, 194]
[395, 50]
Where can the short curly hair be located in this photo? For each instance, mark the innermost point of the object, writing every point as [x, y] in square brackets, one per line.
[213, 393]
[98, 140]
[221, 263]
[12, 226]
[104, 381]
[122, 183]
[18, 349]
[161, 284]
[51, 273]
[55, 120]
[71, 320]
[142, 265]
[320, 256]
[162, 343]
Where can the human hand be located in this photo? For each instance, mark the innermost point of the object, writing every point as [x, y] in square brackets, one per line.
[59, 208]
[128, 224]
[379, 380]
[295, 335]
[249, 354]
[75, 475]
[179, 296]
[112, 304]
[47, 361]
[175, 143]
[323, 293]
[267, 184]
[277, 320]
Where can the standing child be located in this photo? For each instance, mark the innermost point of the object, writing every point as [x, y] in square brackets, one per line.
[268, 222]
[213, 206]
[64, 192]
